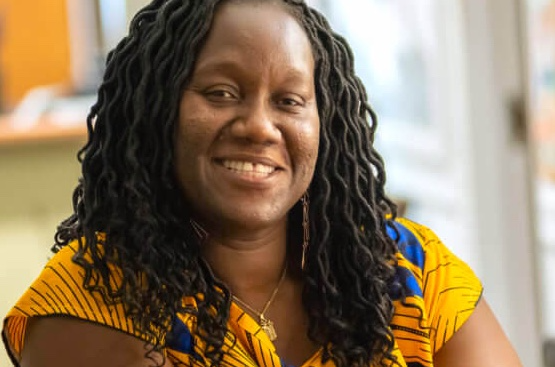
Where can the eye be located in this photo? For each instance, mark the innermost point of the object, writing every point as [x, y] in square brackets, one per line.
[221, 94]
[291, 102]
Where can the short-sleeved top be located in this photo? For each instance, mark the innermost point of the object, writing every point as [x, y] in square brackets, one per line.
[440, 293]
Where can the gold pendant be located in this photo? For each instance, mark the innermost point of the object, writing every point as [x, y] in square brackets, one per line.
[268, 327]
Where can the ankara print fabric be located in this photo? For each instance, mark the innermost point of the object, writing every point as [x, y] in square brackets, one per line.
[441, 292]
[437, 294]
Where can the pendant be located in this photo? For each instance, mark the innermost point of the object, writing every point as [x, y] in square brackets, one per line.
[268, 327]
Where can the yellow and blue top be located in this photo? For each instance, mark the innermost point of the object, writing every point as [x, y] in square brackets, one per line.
[440, 291]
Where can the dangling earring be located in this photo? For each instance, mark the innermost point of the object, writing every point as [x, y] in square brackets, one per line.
[306, 227]
[200, 232]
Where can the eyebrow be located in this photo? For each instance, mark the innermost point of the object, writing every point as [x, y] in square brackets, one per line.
[219, 65]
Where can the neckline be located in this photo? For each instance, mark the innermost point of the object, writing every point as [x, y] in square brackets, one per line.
[241, 320]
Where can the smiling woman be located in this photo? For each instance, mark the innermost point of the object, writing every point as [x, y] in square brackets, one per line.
[232, 213]
[247, 135]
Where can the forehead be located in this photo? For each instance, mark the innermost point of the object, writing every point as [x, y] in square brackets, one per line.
[255, 30]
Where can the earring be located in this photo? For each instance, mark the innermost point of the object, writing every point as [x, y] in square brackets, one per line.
[200, 232]
[306, 227]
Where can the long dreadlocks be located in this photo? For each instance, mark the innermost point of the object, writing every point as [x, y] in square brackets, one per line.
[129, 213]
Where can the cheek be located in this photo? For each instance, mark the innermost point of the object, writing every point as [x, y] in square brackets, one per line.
[308, 140]
[195, 119]
[190, 135]
[194, 129]
[192, 142]
[194, 134]
[313, 139]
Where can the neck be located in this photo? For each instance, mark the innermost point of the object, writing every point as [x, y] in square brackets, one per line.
[250, 265]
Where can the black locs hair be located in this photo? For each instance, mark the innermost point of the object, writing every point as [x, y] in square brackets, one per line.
[128, 193]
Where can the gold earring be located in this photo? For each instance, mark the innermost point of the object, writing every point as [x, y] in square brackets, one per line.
[201, 233]
[306, 227]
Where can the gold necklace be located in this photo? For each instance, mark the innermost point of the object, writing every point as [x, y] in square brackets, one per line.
[266, 324]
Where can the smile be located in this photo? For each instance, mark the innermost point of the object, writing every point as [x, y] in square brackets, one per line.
[249, 168]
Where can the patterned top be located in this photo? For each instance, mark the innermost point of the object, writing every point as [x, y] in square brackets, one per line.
[441, 293]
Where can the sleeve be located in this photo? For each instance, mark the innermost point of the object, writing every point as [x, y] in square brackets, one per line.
[450, 288]
[58, 291]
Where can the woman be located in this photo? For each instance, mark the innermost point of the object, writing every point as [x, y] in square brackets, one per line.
[232, 213]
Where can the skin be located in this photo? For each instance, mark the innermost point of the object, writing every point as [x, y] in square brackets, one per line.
[69, 342]
[251, 98]
[480, 342]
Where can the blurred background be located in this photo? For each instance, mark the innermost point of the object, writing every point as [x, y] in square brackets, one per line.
[464, 91]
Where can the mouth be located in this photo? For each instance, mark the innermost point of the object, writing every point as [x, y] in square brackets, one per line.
[249, 169]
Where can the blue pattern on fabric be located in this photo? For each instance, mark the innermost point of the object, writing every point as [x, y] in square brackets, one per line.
[180, 338]
[404, 282]
[407, 243]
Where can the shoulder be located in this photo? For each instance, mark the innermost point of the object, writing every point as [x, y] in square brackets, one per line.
[434, 292]
[425, 251]
[59, 291]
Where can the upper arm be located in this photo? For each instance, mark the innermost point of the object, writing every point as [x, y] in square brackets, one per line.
[67, 341]
[480, 342]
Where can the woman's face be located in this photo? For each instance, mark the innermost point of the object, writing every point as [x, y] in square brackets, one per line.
[248, 130]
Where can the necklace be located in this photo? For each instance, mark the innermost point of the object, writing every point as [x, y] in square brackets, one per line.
[266, 324]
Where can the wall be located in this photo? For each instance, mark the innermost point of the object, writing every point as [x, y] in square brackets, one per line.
[34, 46]
[36, 182]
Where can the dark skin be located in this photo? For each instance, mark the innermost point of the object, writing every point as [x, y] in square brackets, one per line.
[69, 342]
[251, 101]
[250, 107]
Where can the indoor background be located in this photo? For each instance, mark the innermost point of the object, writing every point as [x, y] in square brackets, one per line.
[464, 91]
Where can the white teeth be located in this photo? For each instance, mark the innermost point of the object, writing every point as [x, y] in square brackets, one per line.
[249, 167]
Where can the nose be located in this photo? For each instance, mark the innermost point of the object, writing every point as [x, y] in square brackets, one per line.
[256, 123]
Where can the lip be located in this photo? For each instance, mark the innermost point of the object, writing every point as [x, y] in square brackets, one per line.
[249, 181]
[266, 161]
